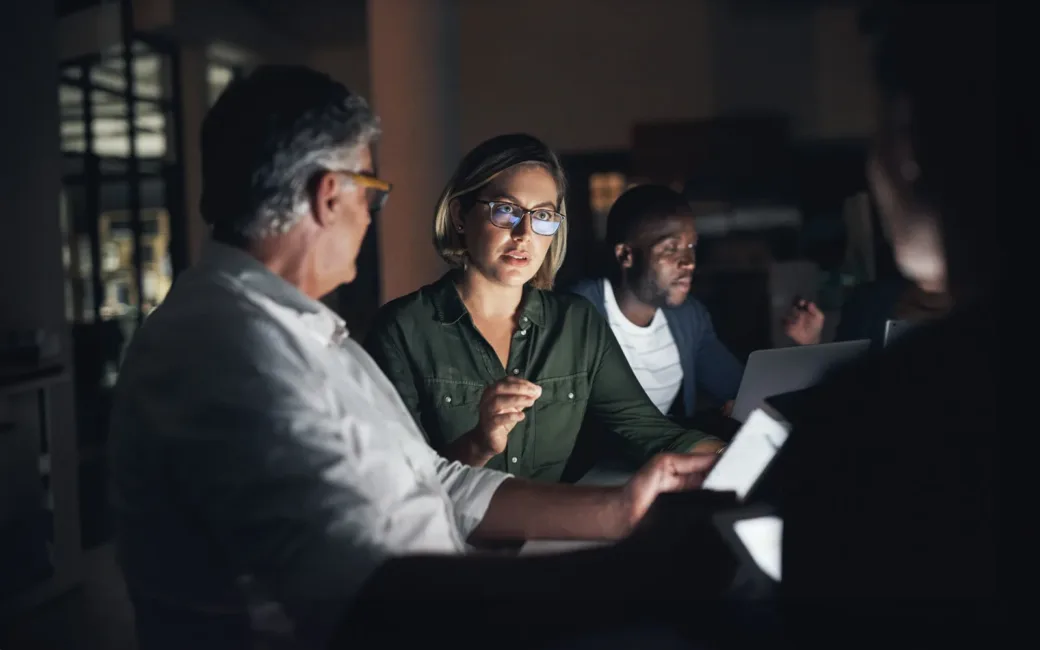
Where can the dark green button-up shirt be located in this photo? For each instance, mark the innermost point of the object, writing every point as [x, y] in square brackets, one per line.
[427, 345]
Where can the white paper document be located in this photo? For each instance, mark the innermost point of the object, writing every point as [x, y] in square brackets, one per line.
[748, 455]
[761, 536]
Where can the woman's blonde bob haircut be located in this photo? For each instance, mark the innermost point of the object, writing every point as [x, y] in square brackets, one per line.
[481, 166]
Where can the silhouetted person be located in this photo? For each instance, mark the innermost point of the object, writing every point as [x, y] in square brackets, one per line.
[888, 477]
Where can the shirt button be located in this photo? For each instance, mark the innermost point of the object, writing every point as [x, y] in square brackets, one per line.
[569, 396]
[516, 371]
[448, 399]
[514, 459]
[523, 332]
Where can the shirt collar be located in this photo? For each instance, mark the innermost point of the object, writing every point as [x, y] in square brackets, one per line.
[448, 306]
[249, 273]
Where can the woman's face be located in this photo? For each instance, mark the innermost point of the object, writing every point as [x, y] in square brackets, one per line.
[910, 226]
[504, 255]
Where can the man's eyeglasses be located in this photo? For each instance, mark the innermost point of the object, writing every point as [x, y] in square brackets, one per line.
[377, 191]
[507, 215]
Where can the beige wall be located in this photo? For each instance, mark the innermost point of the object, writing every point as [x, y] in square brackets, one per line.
[346, 63]
[763, 61]
[414, 63]
[580, 73]
[589, 69]
[576, 73]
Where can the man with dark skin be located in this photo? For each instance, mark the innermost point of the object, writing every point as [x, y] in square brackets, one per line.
[667, 335]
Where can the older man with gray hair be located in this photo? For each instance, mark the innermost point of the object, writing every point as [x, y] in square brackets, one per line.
[261, 457]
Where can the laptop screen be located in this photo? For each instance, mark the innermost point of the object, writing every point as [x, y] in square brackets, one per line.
[783, 370]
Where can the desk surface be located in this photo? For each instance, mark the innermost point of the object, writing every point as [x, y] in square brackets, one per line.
[600, 475]
[606, 475]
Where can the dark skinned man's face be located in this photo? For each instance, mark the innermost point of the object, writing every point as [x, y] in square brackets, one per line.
[662, 261]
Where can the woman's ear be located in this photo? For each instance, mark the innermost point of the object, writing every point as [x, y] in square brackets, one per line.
[455, 212]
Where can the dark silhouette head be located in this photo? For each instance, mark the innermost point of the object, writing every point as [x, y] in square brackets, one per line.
[932, 170]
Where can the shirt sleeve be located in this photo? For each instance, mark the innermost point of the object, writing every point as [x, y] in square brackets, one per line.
[293, 488]
[621, 405]
[470, 490]
[718, 371]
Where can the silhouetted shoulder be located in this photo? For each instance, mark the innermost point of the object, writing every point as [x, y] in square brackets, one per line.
[897, 449]
[923, 364]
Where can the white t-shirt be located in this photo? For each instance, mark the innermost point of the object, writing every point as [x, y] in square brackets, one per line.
[650, 350]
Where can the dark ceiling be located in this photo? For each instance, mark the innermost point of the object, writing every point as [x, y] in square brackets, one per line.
[332, 22]
[317, 22]
[65, 7]
[327, 22]
[313, 22]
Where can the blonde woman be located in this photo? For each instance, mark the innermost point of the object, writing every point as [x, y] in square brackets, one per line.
[497, 370]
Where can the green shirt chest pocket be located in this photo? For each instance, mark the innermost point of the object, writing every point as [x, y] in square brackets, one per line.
[449, 410]
[557, 418]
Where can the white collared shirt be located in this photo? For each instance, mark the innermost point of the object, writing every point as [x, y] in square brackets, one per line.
[253, 437]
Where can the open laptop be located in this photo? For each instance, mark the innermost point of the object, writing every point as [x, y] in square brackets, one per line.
[784, 370]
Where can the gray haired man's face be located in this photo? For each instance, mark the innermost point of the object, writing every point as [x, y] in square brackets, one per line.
[342, 212]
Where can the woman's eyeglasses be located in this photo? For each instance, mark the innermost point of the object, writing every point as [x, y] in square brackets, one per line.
[377, 191]
[507, 215]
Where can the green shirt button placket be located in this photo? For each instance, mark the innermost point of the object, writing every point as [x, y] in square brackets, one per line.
[519, 447]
